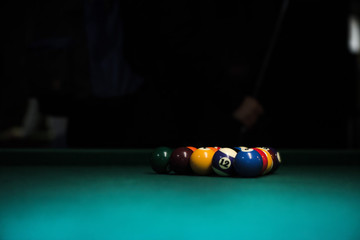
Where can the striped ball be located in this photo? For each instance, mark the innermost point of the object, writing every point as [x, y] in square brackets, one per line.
[223, 162]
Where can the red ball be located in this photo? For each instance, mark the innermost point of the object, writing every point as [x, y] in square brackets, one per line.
[264, 158]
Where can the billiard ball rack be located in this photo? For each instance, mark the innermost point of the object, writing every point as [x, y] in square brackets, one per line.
[216, 161]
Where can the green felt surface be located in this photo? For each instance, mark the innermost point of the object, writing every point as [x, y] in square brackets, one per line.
[131, 202]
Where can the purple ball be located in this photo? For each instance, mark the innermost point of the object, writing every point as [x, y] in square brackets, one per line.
[180, 160]
[223, 162]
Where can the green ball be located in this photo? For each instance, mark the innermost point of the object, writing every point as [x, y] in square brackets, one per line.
[159, 160]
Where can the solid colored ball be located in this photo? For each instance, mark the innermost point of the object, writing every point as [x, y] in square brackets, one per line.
[223, 162]
[238, 149]
[213, 148]
[180, 160]
[159, 160]
[248, 163]
[200, 161]
[264, 158]
[192, 148]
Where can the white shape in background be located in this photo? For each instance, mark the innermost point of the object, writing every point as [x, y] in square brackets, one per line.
[354, 34]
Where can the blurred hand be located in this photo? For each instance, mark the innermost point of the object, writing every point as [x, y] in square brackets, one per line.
[248, 112]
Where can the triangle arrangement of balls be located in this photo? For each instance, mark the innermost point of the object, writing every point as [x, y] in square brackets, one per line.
[234, 161]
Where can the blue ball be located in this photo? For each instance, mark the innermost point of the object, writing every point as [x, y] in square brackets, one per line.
[223, 161]
[248, 162]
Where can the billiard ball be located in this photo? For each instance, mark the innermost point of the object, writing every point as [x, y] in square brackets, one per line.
[214, 148]
[200, 161]
[238, 149]
[217, 148]
[279, 160]
[275, 157]
[248, 163]
[159, 160]
[222, 162]
[192, 148]
[264, 158]
[270, 160]
[180, 160]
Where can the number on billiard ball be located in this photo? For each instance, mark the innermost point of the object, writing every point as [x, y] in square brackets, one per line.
[225, 163]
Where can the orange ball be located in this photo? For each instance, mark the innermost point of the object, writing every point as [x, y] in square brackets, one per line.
[201, 161]
[192, 148]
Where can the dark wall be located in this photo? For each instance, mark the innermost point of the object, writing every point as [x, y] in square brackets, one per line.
[198, 62]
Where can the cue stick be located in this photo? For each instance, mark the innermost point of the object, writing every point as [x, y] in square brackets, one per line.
[260, 79]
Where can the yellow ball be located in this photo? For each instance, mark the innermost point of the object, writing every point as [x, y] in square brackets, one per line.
[200, 161]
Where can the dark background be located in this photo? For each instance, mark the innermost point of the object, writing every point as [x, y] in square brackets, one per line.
[176, 73]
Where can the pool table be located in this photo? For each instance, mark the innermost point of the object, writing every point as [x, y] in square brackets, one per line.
[114, 194]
